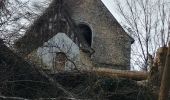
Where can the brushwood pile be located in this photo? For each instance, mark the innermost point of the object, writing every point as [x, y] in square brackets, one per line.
[20, 78]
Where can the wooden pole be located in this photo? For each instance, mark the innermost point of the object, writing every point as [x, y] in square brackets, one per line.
[165, 82]
[108, 72]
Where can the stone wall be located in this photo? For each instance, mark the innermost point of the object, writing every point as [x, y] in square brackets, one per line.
[111, 44]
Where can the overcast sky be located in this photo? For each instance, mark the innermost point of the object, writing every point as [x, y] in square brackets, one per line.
[112, 7]
[109, 4]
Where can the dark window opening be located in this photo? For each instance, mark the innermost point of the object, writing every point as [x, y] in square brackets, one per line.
[86, 32]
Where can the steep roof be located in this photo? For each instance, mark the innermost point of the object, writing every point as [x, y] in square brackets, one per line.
[56, 18]
[96, 13]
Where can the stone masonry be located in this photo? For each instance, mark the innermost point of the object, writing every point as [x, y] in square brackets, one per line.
[112, 45]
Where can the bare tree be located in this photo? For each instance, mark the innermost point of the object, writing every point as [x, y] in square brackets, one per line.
[148, 22]
[16, 16]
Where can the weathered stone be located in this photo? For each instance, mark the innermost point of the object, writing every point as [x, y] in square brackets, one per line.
[110, 43]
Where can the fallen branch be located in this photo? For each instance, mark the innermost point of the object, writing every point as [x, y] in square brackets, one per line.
[134, 75]
[12, 98]
[18, 66]
[56, 84]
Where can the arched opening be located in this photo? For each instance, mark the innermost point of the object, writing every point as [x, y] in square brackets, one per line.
[86, 32]
[59, 62]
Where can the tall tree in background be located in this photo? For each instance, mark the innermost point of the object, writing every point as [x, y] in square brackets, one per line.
[148, 22]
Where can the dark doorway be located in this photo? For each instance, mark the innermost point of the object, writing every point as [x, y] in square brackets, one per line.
[86, 32]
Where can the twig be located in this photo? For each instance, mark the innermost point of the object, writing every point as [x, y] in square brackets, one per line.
[13, 98]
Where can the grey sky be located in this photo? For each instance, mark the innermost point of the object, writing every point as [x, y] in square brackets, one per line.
[109, 4]
[112, 8]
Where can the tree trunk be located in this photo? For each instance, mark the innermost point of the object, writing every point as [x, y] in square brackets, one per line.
[162, 54]
[157, 66]
[165, 83]
[134, 75]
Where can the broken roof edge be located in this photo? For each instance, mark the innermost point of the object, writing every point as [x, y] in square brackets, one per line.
[20, 44]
